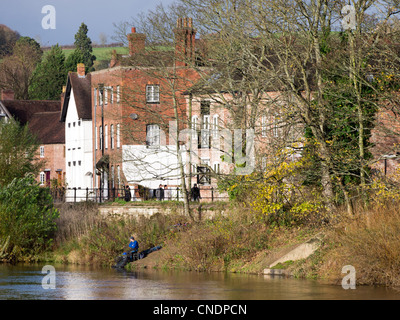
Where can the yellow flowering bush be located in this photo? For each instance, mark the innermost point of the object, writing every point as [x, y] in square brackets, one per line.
[281, 197]
[385, 190]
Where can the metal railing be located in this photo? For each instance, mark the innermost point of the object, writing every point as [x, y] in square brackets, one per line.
[100, 195]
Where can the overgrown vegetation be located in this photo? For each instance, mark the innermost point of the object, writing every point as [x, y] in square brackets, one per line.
[27, 219]
[225, 242]
[86, 237]
[239, 240]
[18, 152]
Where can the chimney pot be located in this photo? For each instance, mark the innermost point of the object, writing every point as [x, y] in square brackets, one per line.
[137, 42]
[80, 68]
[7, 94]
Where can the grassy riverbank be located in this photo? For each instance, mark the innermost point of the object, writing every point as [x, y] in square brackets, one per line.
[237, 241]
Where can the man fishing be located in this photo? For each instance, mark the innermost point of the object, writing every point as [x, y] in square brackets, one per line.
[134, 245]
[127, 257]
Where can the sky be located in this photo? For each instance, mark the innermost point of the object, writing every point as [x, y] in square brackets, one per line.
[26, 17]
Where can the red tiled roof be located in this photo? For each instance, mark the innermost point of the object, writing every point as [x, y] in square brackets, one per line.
[23, 110]
[47, 127]
[81, 87]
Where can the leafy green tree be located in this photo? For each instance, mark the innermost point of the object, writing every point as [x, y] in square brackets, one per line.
[49, 76]
[18, 152]
[83, 52]
[27, 218]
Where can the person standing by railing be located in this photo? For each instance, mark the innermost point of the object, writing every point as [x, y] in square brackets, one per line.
[128, 194]
[160, 193]
[167, 193]
[195, 193]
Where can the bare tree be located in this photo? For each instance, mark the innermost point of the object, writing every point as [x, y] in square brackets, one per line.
[16, 70]
[103, 38]
[299, 49]
[295, 63]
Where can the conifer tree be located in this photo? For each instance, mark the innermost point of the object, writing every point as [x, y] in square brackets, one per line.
[49, 76]
[83, 52]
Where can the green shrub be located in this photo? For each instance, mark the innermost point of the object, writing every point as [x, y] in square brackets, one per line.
[27, 218]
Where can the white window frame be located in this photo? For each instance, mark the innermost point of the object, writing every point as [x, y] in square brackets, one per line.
[100, 98]
[42, 178]
[95, 138]
[101, 137]
[95, 96]
[264, 126]
[112, 136]
[153, 93]
[112, 176]
[118, 94]
[153, 135]
[118, 176]
[215, 126]
[118, 136]
[41, 151]
[106, 136]
[194, 126]
[205, 163]
[205, 132]
[275, 128]
[217, 167]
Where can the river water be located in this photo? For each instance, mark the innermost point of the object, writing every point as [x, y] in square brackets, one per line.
[31, 282]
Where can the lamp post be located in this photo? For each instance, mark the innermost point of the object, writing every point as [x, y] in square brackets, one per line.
[101, 90]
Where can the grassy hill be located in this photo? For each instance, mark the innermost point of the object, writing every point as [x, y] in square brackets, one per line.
[101, 53]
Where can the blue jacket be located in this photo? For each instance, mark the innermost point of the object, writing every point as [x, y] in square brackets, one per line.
[134, 245]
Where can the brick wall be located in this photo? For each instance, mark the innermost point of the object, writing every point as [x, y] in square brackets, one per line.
[54, 157]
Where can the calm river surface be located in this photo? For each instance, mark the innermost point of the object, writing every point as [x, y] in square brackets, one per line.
[82, 283]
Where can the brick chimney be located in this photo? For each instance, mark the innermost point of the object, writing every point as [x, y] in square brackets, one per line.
[137, 42]
[185, 40]
[80, 68]
[114, 59]
[62, 96]
[7, 94]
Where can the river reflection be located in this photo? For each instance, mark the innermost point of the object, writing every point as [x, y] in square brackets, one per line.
[81, 283]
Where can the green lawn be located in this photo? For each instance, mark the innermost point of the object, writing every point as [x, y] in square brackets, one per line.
[101, 53]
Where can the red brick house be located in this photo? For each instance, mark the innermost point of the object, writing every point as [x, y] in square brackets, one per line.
[52, 149]
[386, 142]
[43, 119]
[133, 104]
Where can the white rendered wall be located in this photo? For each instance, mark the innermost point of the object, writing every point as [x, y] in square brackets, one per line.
[79, 153]
[151, 166]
